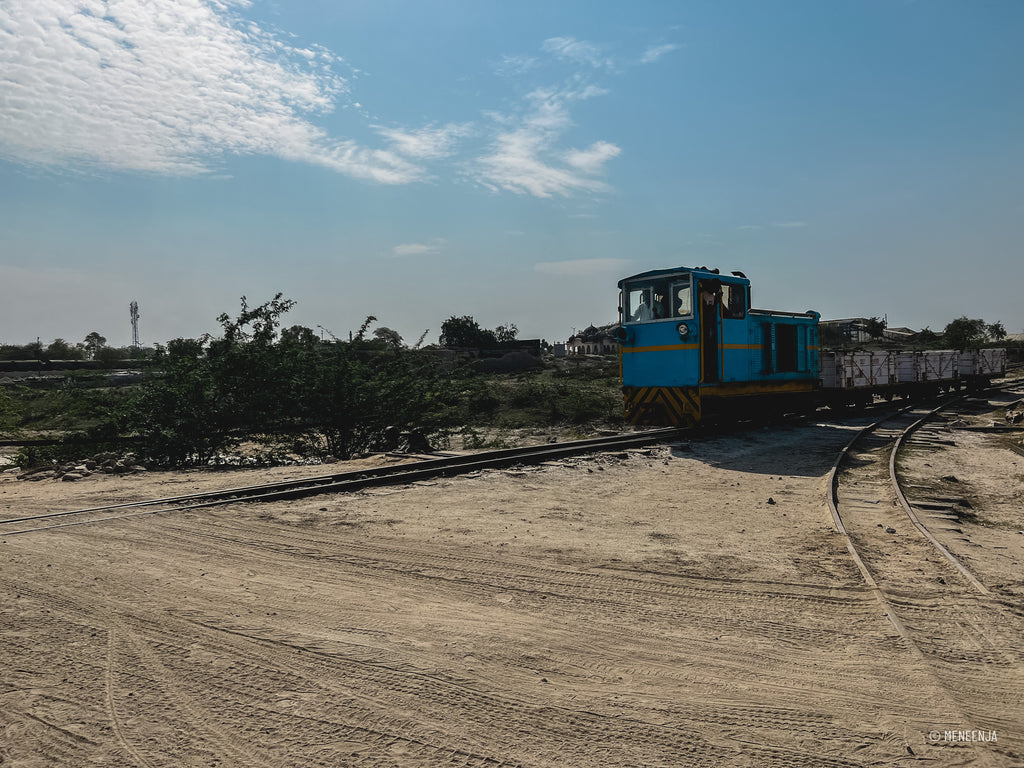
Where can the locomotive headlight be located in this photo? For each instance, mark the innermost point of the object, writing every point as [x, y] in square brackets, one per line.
[684, 330]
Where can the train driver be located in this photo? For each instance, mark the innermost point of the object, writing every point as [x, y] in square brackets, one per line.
[660, 304]
[644, 312]
[652, 306]
[710, 292]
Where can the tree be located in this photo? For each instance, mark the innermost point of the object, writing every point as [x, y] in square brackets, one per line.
[112, 354]
[94, 343]
[506, 332]
[996, 331]
[388, 336]
[963, 333]
[248, 367]
[174, 412]
[298, 336]
[286, 392]
[185, 348]
[206, 395]
[361, 333]
[875, 328]
[258, 324]
[465, 332]
[58, 349]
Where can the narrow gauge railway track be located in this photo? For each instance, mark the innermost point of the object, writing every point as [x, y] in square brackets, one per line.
[866, 468]
[864, 473]
[337, 482]
[965, 633]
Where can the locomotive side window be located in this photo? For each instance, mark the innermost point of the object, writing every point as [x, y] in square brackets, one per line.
[734, 301]
[638, 304]
[649, 301]
[682, 297]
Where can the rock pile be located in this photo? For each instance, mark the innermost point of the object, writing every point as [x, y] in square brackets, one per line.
[1015, 412]
[101, 463]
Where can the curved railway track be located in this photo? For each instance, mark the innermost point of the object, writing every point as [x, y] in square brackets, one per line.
[862, 475]
[867, 467]
[946, 616]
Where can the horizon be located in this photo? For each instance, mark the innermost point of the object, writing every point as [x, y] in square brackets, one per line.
[323, 334]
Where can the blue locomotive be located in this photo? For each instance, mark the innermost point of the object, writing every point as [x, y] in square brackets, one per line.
[692, 349]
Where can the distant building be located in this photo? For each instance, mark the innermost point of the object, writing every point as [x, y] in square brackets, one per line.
[854, 330]
[594, 340]
[899, 334]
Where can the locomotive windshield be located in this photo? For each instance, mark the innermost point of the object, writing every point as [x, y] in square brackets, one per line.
[664, 298]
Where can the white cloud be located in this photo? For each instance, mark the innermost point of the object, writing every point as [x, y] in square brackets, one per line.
[175, 87]
[579, 267]
[655, 52]
[515, 65]
[418, 249]
[362, 163]
[168, 88]
[580, 51]
[592, 159]
[526, 159]
[426, 143]
[526, 155]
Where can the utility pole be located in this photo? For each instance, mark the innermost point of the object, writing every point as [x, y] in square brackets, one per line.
[134, 310]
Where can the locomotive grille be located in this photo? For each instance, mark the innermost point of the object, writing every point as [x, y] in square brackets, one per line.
[662, 406]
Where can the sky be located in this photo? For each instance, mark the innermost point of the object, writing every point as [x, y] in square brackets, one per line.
[511, 161]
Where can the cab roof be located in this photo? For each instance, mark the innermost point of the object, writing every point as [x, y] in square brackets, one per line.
[698, 271]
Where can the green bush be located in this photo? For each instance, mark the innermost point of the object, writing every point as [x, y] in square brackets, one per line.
[278, 392]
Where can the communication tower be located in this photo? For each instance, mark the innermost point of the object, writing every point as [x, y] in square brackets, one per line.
[134, 309]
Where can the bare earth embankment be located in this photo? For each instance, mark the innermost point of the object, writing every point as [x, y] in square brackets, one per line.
[668, 607]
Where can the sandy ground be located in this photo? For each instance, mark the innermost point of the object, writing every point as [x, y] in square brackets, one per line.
[689, 605]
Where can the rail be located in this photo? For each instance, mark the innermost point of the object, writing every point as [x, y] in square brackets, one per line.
[343, 481]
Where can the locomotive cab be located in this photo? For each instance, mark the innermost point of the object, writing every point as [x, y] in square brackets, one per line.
[691, 346]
